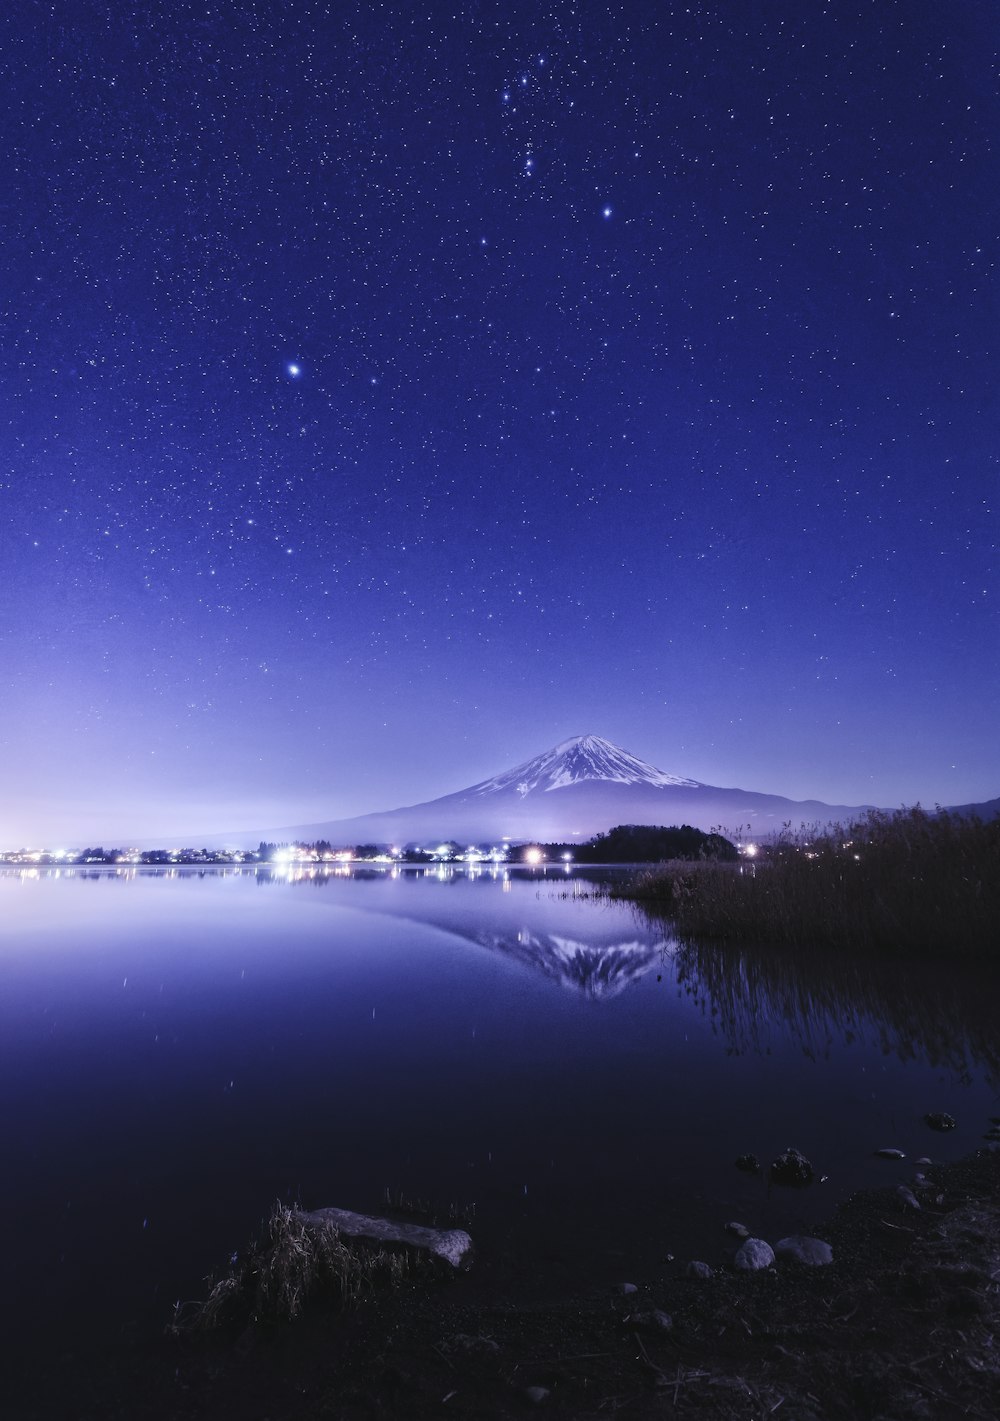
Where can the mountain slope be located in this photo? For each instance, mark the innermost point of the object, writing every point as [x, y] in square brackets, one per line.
[585, 757]
[579, 788]
[988, 810]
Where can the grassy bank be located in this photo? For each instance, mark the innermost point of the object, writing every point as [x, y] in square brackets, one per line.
[295, 1260]
[907, 882]
[901, 1326]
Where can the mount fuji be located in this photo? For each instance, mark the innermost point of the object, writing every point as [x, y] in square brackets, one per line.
[579, 788]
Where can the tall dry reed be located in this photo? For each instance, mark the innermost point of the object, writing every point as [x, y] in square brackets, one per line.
[906, 882]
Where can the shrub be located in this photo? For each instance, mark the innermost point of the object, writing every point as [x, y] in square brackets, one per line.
[297, 1259]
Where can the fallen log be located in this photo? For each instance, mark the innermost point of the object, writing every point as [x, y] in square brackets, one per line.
[453, 1245]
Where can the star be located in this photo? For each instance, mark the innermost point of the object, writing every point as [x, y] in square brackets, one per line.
[292, 370]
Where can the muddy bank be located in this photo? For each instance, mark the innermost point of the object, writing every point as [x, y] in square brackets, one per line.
[901, 1324]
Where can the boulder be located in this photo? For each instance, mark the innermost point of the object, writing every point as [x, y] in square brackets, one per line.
[737, 1230]
[939, 1120]
[453, 1245]
[754, 1255]
[888, 1153]
[813, 1252]
[750, 1164]
[793, 1168]
[697, 1269]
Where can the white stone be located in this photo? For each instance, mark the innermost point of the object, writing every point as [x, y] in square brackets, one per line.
[754, 1255]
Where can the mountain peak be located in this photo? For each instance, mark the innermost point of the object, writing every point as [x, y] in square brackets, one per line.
[584, 742]
[583, 757]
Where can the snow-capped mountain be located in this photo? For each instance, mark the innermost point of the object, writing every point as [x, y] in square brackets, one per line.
[585, 757]
[579, 788]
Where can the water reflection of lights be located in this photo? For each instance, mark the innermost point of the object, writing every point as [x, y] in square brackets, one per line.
[289, 871]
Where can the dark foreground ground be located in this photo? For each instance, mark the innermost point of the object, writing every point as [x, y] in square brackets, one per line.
[903, 1324]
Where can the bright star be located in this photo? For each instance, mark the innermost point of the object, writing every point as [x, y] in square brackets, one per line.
[293, 371]
[605, 211]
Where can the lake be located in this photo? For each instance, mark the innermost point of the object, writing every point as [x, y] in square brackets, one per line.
[181, 1048]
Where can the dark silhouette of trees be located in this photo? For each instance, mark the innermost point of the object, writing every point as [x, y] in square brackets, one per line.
[647, 843]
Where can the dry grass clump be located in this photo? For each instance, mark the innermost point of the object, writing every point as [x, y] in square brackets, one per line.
[298, 1259]
[908, 881]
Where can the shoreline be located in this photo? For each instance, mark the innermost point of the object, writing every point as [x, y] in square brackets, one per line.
[901, 1324]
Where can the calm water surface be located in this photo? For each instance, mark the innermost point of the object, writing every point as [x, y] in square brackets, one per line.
[178, 1050]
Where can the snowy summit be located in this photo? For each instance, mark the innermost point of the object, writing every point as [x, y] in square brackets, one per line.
[584, 786]
[584, 757]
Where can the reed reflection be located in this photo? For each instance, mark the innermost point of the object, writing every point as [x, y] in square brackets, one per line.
[935, 1015]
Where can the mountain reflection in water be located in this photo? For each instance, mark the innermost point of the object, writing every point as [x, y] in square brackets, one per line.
[598, 972]
[925, 1012]
[599, 953]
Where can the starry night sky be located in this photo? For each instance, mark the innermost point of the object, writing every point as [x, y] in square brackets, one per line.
[391, 391]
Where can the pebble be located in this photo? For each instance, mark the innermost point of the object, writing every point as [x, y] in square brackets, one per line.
[890, 1154]
[627, 1289]
[939, 1120]
[749, 1163]
[697, 1269]
[466, 1342]
[813, 1252]
[910, 1200]
[754, 1255]
[537, 1394]
[740, 1230]
[655, 1320]
[923, 1160]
